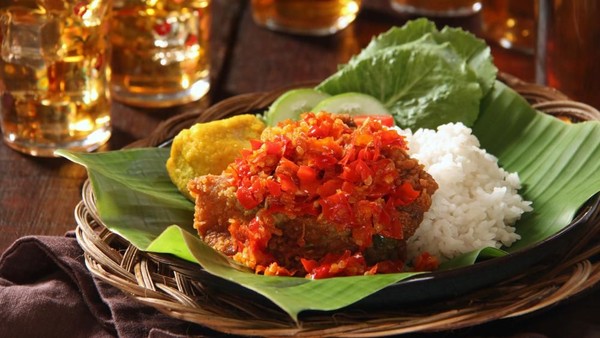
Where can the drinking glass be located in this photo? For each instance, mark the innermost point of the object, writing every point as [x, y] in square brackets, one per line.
[437, 8]
[567, 48]
[305, 17]
[160, 51]
[53, 74]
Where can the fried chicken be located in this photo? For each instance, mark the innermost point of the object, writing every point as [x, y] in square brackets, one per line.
[296, 198]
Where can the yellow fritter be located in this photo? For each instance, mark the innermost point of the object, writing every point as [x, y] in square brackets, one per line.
[207, 148]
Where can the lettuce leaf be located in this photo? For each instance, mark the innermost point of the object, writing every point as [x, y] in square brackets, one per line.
[430, 86]
[469, 48]
[439, 76]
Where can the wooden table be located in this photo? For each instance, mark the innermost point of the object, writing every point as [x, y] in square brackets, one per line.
[37, 195]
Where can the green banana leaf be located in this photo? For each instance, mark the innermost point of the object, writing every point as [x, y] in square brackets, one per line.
[558, 163]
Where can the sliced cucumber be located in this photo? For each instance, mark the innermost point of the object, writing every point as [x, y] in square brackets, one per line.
[292, 103]
[352, 104]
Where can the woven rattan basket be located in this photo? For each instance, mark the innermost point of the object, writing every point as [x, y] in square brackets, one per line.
[176, 287]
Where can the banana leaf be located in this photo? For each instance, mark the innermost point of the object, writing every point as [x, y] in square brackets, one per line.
[558, 163]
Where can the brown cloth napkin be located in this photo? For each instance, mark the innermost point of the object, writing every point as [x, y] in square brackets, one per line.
[46, 291]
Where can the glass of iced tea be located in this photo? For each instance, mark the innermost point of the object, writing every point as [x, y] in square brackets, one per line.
[53, 75]
[305, 17]
[437, 8]
[567, 50]
[160, 51]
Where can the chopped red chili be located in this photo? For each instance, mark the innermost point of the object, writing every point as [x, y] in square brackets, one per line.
[386, 120]
[425, 262]
[333, 265]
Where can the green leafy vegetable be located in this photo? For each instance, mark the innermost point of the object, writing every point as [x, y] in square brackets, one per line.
[429, 87]
[439, 76]
[475, 52]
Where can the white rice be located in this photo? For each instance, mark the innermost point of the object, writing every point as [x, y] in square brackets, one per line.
[477, 201]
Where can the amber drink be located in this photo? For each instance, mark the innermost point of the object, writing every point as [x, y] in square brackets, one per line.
[160, 51]
[53, 75]
[305, 17]
[568, 54]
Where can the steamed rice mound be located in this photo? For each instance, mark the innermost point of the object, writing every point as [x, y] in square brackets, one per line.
[477, 202]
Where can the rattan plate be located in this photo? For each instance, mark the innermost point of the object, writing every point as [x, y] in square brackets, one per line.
[183, 290]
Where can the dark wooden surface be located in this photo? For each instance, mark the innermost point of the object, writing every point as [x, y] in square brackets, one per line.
[37, 195]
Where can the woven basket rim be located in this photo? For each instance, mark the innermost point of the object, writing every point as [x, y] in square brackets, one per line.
[171, 286]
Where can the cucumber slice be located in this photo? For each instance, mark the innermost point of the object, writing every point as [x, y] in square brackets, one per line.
[292, 103]
[352, 104]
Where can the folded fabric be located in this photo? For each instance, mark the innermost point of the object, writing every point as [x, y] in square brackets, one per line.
[46, 291]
